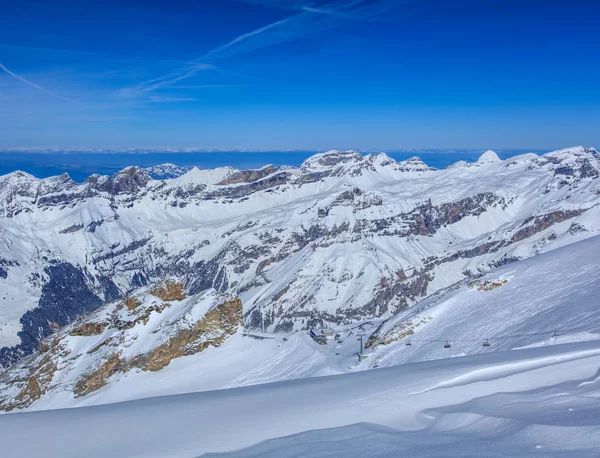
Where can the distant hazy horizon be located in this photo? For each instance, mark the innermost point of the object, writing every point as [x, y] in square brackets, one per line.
[80, 165]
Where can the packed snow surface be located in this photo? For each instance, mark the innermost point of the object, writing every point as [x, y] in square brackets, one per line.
[530, 402]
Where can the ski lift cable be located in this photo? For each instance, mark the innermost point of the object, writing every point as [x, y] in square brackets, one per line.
[552, 333]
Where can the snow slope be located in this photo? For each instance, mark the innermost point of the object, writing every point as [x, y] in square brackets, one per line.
[531, 402]
[554, 291]
[517, 305]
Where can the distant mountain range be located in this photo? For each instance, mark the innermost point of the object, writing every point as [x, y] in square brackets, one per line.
[159, 263]
[81, 164]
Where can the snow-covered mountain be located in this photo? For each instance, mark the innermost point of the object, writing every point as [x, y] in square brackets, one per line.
[341, 239]
[166, 171]
[160, 341]
[192, 271]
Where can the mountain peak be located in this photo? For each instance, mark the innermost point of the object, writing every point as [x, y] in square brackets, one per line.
[332, 158]
[196, 176]
[381, 159]
[488, 157]
[574, 151]
[166, 171]
[414, 164]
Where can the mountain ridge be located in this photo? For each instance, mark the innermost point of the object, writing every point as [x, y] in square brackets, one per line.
[343, 237]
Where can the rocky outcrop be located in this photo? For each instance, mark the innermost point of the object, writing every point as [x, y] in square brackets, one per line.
[23, 384]
[30, 382]
[397, 333]
[536, 224]
[243, 190]
[427, 218]
[98, 378]
[249, 176]
[169, 291]
[89, 329]
[128, 181]
[218, 324]
[212, 330]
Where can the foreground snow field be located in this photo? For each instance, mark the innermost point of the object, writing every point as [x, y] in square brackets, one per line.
[531, 402]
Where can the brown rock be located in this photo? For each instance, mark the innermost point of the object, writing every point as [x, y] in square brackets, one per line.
[131, 303]
[98, 378]
[89, 329]
[169, 291]
[34, 386]
[218, 324]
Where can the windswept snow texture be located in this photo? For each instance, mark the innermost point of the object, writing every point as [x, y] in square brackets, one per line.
[532, 402]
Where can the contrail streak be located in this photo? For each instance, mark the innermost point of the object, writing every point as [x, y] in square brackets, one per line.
[306, 20]
[35, 86]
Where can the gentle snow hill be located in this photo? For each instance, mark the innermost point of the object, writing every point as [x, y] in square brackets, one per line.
[533, 402]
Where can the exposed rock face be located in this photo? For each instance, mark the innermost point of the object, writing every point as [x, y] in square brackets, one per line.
[131, 303]
[166, 171]
[181, 333]
[487, 285]
[213, 329]
[427, 219]
[249, 176]
[127, 181]
[97, 379]
[29, 383]
[536, 224]
[169, 291]
[399, 332]
[89, 329]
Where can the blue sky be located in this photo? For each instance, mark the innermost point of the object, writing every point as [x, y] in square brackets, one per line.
[300, 74]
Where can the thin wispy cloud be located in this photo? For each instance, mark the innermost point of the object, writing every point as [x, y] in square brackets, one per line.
[206, 86]
[290, 5]
[308, 20]
[168, 98]
[35, 85]
[300, 5]
[287, 29]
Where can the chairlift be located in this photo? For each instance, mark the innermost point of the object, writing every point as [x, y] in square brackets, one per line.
[408, 344]
[486, 343]
[555, 334]
[447, 344]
